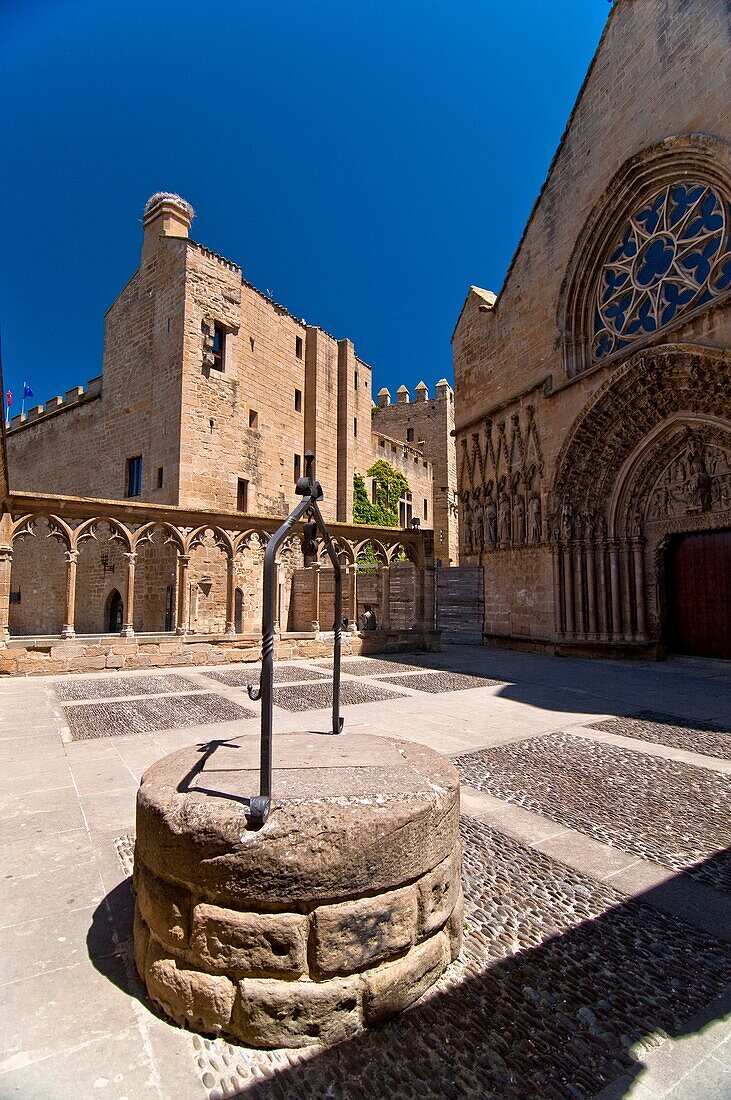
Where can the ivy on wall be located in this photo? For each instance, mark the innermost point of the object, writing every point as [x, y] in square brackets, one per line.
[390, 487]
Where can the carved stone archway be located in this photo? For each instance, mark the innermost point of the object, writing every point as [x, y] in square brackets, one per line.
[649, 457]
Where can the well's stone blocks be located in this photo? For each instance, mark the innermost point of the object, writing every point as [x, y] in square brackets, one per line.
[438, 894]
[356, 934]
[337, 913]
[226, 941]
[203, 1002]
[164, 906]
[455, 925]
[394, 987]
[270, 1013]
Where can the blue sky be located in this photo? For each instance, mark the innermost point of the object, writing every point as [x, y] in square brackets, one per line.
[364, 162]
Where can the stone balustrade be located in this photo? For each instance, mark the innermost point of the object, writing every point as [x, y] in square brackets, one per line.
[386, 567]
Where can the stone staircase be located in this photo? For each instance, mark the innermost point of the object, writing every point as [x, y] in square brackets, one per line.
[461, 604]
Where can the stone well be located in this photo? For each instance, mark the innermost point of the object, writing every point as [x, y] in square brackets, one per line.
[340, 912]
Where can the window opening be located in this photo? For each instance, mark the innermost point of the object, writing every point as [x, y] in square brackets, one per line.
[134, 476]
[219, 347]
[242, 495]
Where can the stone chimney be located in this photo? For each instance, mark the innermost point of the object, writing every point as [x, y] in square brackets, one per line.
[402, 396]
[384, 398]
[422, 392]
[165, 215]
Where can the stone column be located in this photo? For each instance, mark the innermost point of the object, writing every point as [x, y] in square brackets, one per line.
[639, 569]
[591, 588]
[626, 570]
[580, 601]
[231, 595]
[183, 594]
[385, 623]
[603, 611]
[6, 565]
[353, 596]
[129, 602]
[315, 567]
[72, 559]
[568, 587]
[557, 589]
[615, 591]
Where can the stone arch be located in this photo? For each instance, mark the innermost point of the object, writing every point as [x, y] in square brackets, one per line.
[102, 545]
[679, 159]
[640, 395]
[648, 456]
[157, 547]
[114, 612]
[211, 549]
[38, 575]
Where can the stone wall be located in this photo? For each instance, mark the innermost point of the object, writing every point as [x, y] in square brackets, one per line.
[52, 656]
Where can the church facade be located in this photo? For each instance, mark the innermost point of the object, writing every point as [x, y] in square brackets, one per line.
[593, 393]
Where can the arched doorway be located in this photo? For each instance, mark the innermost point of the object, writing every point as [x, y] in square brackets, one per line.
[698, 594]
[115, 612]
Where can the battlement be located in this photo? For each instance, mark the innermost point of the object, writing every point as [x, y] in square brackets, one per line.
[421, 394]
[74, 397]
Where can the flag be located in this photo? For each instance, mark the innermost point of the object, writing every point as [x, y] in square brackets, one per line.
[27, 391]
[8, 403]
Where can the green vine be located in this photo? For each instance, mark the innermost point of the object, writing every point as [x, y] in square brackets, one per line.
[390, 486]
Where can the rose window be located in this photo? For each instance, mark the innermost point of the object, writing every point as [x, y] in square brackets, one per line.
[673, 256]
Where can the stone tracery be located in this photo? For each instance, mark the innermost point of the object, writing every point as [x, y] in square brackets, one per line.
[673, 255]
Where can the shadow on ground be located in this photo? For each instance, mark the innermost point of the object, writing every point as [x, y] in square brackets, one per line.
[677, 689]
[561, 986]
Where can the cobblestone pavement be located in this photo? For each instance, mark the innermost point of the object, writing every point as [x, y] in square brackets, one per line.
[283, 674]
[660, 809]
[440, 681]
[91, 720]
[367, 666]
[559, 978]
[319, 696]
[669, 730]
[111, 687]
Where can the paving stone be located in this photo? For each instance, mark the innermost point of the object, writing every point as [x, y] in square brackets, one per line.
[437, 682]
[283, 674]
[144, 715]
[672, 813]
[319, 696]
[667, 729]
[111, 687]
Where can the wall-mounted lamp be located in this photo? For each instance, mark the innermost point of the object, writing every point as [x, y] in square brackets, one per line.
[416, 523]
